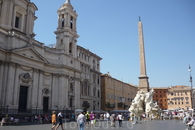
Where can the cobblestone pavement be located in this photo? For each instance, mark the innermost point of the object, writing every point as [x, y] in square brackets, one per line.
[102, 125]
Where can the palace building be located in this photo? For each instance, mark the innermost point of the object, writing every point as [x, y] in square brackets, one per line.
[115, 94]
[36, 77]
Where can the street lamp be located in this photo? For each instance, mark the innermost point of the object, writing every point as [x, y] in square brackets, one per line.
[191, 85]
[57, 108]
[7, 108]
[64, 109]
[36, 109]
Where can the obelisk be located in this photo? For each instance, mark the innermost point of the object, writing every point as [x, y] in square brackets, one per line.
[143, 78]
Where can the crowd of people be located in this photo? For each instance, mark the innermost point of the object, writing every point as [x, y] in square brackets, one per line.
[91, 118]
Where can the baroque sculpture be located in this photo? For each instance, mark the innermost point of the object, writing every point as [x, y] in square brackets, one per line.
[143, 103]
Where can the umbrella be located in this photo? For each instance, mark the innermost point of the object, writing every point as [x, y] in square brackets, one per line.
[78, 110]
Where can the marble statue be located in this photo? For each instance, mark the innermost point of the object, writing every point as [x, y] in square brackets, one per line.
[143, 102]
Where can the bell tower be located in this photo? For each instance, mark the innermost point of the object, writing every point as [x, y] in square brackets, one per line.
[18, 15]
[66, 34]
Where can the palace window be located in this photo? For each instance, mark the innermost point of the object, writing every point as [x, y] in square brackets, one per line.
[17, 20]
[70, 48]
[63, 20]
[71, 22]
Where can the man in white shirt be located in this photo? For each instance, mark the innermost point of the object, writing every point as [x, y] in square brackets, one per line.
[108, 116]
[120, 118]
[190, 123]
[80, 121]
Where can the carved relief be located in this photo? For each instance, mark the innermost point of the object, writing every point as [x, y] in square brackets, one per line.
[25, 78]
[71, 79]
[45, 91]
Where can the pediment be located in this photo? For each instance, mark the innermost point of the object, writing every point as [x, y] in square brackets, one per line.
[30, 53]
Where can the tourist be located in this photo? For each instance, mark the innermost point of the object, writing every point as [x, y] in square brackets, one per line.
[59, 121]
[36, 118]
[143, 117]
[112, 119]
[87, 117]
[53, 120]
[80, 121]
[108, 116]
[190, 124]
[120, 118]
[72, 117]
[162, 115]
[92, 119]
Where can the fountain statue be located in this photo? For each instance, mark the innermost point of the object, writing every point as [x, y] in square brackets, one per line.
[143, 103]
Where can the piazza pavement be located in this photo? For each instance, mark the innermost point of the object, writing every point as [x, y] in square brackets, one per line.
[103, 125]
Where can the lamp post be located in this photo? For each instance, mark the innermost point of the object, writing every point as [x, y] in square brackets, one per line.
[64, 111]
[191, 85]
[7, 108]
[57, 108]
[36, 109]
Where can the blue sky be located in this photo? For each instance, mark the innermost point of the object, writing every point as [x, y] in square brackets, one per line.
[109, 29]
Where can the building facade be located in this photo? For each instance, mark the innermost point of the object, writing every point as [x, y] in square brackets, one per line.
[160, 96]
[115, 94]
[33, 76]
[173, 98]
[179, 97]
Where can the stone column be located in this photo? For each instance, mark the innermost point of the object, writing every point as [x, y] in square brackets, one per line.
[75, 48]
[66, 41]
[4, 83]
[10, 85]
[59, 21]
[53, 92]
[40, 88]
[34, 100]
[63, 91]
[67, 20]
[77, 94]
[16, 87]
[1, 81]
[75, 25]
[60, 96]
[56, 90]
[66, 92]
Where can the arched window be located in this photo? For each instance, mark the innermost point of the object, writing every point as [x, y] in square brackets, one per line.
[82, 89]
[85, 88]
[94, 64]
[94, 77]
[70, 48]
[71, 22]
[63, 20]
[19, 18]
[88, 90]
[94, 91]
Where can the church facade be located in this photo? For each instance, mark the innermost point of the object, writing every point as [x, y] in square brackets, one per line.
[37, 77]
